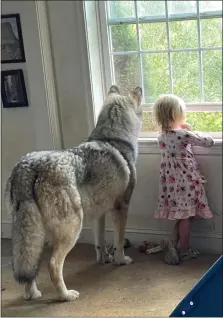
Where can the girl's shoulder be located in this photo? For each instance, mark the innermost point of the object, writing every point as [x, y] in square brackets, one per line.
[181, 133]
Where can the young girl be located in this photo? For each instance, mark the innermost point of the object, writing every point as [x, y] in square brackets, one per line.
[181, 192]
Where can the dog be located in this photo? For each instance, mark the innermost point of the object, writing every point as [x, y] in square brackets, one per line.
[49, 193]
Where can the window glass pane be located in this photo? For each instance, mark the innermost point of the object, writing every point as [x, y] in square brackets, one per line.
[186, 80]
[126, 72]
[183, 34]
[199, 121]
[124, 37]
[155, 66]
[121, 9]
[151, 8]
[156, 75]
[212, 70]
[148, 122]
[211, 32]
[181, 7]
[205, 121]
[153, 36]
[209, 6]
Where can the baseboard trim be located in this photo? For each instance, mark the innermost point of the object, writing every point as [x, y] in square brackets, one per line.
[160, 232]
[205, 241]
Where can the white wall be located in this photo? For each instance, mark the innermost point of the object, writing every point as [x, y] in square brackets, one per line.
[69, 50]
[25, 129]
[74, 93]
[28, 129]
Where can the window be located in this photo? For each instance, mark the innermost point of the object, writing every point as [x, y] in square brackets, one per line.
[167, 47]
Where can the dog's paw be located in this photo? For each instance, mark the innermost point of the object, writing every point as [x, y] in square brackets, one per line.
[107, 258]
[34, 295]
[104, 258]
[171, 256]
[171, 259]
[124, 260]
[69, 295]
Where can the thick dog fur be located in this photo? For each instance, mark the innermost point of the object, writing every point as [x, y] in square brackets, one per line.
[49, 193]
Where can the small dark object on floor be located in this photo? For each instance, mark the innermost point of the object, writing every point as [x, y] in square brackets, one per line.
[145, 245]
[2, 289]
[127, 243]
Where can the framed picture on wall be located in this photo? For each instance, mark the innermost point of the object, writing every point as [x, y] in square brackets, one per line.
[12, 49]
[13, 89]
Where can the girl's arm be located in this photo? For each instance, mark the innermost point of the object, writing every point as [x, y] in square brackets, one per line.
[185, 126]
[196, 139]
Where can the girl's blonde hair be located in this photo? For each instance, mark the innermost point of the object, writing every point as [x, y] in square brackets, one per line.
[168, 109]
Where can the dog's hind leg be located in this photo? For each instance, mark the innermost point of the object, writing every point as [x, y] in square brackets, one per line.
[119, 215]
[65, 229]
[31, 291]
[100, 245]
[67, 234]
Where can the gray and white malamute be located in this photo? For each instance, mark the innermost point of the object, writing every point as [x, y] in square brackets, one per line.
[49, 193]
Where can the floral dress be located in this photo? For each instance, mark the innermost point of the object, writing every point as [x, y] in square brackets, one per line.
[181, 189]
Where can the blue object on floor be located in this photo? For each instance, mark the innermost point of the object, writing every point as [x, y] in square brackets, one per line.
[206, 298]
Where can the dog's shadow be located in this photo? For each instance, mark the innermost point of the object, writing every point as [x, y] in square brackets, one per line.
[84, 280]
[81, 272]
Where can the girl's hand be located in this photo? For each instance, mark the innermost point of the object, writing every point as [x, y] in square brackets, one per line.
[203, 179]
[186, 126]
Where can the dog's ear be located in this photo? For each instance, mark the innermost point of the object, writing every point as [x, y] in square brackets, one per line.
[114, 90]
[137, 95]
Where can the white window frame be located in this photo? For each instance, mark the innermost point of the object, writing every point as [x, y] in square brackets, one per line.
[109, 68]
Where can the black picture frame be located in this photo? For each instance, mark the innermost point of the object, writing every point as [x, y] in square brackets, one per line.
[13, 89]
[12, 47]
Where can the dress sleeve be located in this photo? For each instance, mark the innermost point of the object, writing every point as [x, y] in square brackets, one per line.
[196, 139]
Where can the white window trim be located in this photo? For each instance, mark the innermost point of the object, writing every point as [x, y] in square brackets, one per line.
[101, 47]
[150, 146]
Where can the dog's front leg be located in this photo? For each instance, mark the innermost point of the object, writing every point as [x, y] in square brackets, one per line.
[99, 236]
[120, 219]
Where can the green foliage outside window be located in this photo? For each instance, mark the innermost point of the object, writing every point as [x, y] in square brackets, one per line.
[185, 65]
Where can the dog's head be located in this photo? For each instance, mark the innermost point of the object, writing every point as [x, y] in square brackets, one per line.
[133, 99]
[125, 111]
[120, 117]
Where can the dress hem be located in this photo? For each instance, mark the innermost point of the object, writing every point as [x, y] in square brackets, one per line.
[178, 215]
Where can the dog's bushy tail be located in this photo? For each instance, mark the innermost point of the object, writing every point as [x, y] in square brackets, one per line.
[28, 236]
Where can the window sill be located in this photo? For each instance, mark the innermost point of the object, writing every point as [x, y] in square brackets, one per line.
[150, 146]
